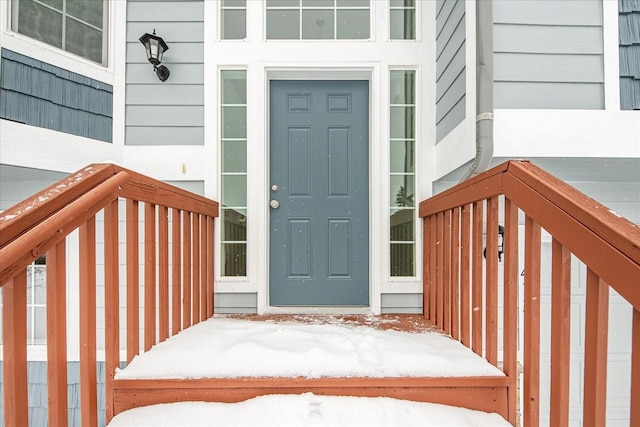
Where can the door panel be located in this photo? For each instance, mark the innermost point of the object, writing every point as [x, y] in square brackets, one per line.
[319, 161]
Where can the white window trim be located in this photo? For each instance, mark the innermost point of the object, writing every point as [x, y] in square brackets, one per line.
[57, 57]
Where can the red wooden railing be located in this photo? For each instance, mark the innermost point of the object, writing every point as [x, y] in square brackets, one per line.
[461, 287]
[177, 277]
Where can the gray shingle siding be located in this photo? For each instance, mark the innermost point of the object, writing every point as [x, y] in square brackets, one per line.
[629, 28]
[450, 66]
[39, 94]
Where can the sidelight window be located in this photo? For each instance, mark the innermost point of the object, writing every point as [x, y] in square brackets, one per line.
[233, 155]
[402, 173]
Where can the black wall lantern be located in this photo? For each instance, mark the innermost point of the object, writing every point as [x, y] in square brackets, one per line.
[155, 47]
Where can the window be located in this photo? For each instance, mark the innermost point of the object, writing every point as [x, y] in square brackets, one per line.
[318, 19]
[402, 173]
[233, 155]
[75, 26]
[403, 19]
[233, 23]
[36, 302]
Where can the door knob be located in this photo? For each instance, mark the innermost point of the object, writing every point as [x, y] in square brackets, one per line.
[274, 204]
[274, 188]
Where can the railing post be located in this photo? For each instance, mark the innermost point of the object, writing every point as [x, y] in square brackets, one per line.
[440, 270]
[203, 267]
[195, 274]
[560, 333]
[57, 337]
[163, 270]
[149, 275]
[511, 276]
[14, 363]
[465, 258]
[595, 351]
[210, 265]
[111, 302]
[476, 278]
[426, 267]
[491, 295]
[186, 269]
[531, 323]
[88, 376]
[176, 261]
[133, 280]
[455, 273]
[446, 272]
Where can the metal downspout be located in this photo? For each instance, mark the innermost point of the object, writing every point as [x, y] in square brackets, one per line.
[484, 89]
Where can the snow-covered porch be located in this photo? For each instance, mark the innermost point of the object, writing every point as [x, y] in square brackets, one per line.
[235, 358]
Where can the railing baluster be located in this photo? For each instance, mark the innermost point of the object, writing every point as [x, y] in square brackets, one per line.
[634, 415]
[57, 337]
[439, 270]
[433, 302]
[476, 278]
[492, 281]
[532, 323]
[163, 267]
[465, 259]
[595, 351]
[176, 261]
[111, 302]
[560, 333]
[14, 363]
[195, 275]
[455, 273]
[446, 271]
[203, 267]
[133, 280]
[149, 275]
[186, 269]
[88, 376]
[426, 267]
[510, 331]
[210, 265]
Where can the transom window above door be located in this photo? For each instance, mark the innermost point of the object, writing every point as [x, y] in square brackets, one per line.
[318, 19]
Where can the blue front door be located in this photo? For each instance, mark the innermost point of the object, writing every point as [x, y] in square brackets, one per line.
[319, 190]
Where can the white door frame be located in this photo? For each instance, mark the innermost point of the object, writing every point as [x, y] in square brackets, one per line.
[259, 195]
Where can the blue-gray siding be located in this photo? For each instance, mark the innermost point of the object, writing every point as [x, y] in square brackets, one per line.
[37, 377]
[450, 66]
[39, 94]
[548, 54]
[629, 27]
[169, 113]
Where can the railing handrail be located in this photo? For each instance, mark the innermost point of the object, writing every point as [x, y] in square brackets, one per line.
[62, 207]
[601, 233]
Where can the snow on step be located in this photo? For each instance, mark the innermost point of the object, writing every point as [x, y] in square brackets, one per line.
[227, 348]
[306, 410]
